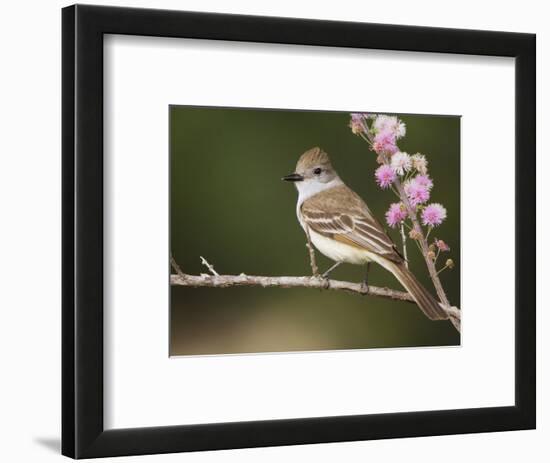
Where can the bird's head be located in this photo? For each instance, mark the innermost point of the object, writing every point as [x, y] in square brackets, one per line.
[313, 167]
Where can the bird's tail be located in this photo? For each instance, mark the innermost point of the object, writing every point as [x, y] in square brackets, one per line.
[427, 303]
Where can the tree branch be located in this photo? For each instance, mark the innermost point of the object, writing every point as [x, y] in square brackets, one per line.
[315, 282]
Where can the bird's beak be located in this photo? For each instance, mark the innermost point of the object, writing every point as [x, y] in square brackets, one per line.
[293, 178]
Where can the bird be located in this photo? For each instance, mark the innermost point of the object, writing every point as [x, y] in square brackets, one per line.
[342, 227]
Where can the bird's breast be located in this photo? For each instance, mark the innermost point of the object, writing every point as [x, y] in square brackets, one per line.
[340, 252]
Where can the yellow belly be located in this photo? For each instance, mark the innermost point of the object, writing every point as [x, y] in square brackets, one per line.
[340, 252]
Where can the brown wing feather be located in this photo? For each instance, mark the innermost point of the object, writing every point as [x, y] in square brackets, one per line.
[342, 215]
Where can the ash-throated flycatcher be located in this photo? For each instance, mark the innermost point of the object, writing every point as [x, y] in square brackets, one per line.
[342, 227]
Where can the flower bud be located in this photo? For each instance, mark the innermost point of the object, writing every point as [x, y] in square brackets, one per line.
[415, 235]
[449, 263]
[441, 245]
[357, 124]
[431, 255]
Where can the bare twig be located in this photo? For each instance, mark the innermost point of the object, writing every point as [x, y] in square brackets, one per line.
[176, 267]
[209, 267]
[404, 239]
[441, 269]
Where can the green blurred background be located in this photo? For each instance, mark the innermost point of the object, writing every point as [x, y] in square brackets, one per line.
[228, 204]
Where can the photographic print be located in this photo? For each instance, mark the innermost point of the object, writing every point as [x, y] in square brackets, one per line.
[300, 230]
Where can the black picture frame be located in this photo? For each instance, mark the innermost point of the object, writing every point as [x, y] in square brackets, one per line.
[83, 433]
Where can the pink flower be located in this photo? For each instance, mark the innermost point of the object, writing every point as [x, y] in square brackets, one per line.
[441, 245]
[391, 124]
[434, 214]
[423, 180]
[384, 143]
[396, 214]
[417, 192]
[385, 176]
[357, 123]
[401, 162]
[420, 163]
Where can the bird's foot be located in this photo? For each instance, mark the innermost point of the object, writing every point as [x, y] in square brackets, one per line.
[365, 283]
[364, 287]
[325, 283]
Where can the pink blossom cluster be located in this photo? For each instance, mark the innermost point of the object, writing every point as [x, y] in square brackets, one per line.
[389, 124]
[398, 168]
[407, 177]
[386, 131]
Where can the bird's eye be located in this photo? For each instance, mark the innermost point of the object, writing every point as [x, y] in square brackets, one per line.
[317, 171]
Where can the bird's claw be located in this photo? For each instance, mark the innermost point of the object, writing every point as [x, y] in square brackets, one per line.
[365, 287]
[324, 278]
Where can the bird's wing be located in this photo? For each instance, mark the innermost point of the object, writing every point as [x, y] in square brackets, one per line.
[341, 214]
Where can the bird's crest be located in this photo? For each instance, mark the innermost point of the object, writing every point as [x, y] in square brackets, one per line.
[312, 157]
